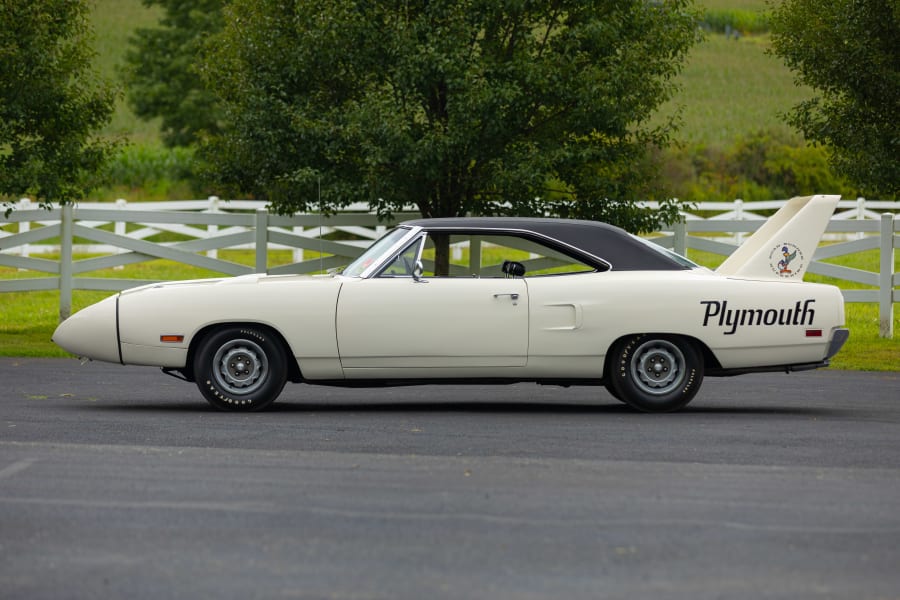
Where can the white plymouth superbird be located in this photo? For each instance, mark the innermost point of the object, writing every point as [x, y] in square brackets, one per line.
[489, 300]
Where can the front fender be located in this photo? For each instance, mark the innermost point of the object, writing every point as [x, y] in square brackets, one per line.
[300, 309]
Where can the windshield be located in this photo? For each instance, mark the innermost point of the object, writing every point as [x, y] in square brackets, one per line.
[374, 252]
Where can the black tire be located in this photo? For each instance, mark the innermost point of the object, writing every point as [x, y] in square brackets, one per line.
[613, 392]
[655, 373]
[240, 368]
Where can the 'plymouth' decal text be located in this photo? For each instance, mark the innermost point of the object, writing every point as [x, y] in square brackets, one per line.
[718, 314]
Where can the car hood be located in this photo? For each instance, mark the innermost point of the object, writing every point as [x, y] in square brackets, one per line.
[249, 279]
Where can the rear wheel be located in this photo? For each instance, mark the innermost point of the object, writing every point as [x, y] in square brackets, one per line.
[240, 368]
[655, 373]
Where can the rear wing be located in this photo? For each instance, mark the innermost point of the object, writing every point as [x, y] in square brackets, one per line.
[784, 246]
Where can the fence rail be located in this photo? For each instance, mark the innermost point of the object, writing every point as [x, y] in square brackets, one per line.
[120, 236]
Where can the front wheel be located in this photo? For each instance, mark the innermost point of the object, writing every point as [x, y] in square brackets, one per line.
[240, 368]
[655, 373]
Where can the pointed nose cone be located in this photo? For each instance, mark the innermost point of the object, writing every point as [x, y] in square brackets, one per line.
[91, 332]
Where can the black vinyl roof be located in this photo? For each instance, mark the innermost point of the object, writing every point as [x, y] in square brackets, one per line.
[588, 240]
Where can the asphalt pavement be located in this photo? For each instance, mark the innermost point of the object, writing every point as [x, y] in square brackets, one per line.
[122, 482]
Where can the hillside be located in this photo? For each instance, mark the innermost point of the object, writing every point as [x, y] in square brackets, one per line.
[730, 87]
[114, 21]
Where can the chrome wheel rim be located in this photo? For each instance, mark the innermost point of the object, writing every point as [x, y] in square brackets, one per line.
[657, 367]
[240, 367]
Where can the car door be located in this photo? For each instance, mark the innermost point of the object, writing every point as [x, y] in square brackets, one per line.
[432, 325]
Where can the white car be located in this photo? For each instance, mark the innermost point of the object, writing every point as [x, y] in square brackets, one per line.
[489, 300]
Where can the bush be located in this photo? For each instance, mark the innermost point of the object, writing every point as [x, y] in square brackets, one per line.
[150, 172]
[140, 166]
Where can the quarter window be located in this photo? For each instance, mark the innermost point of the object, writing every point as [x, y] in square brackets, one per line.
[403, 263]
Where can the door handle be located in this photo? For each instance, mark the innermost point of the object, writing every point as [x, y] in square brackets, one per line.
[513, 296]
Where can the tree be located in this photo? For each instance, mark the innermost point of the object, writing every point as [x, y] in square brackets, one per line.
[161, 78]
[451, 106]
[51, 102]
[847, 51]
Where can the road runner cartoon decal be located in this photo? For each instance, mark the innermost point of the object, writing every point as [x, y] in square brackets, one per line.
[786, 260]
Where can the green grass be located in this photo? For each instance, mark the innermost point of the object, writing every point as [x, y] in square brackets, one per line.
[731, 88]
[114, 21]
[748, 5]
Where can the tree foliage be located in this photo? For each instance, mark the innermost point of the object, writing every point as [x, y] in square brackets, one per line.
[848, 51]
[762, 165]
[51, 102]
[162, 81]
[452, 106]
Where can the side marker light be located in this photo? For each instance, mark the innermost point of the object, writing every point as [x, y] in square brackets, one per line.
[171, 339]
[813, 333]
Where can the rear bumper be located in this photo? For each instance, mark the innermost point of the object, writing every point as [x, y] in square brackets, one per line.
[838, 338]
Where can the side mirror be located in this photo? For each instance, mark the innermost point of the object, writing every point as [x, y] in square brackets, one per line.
[418, 269]
[512, 268]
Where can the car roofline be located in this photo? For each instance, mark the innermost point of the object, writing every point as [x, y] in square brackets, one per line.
[604, 246]
[594, 261]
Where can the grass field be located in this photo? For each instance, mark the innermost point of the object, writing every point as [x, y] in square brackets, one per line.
[751, 5]
[731, 88]
[114, 21]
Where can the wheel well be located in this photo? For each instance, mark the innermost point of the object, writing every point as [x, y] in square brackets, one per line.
[709, 359]
[294, 374]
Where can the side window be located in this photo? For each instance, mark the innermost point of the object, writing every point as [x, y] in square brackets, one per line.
[457, 255]
[454, 249]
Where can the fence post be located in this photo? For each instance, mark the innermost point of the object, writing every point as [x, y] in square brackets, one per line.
[120, 229]
[860, 214]
[297, 253]
[886, 278]
[262, 240]
[679, 238]
[475, 255]
[65, 262]
[212, 230]
[739, 216]
[24, 227]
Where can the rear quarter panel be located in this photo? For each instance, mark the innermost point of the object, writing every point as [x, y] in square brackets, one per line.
[576, 318]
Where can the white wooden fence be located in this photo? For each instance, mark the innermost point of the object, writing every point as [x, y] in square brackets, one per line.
[115, 236]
